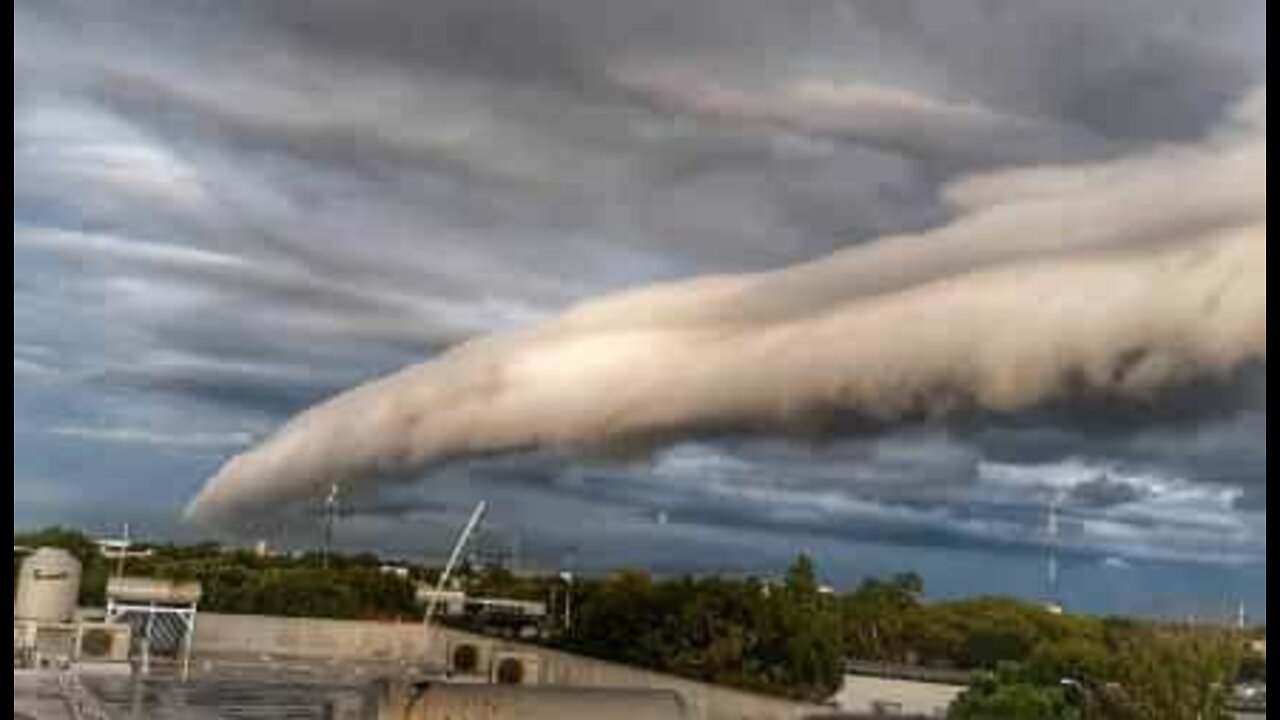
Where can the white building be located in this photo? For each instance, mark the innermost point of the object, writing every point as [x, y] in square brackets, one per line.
[395, 571]
[448, 603]
[887, 697]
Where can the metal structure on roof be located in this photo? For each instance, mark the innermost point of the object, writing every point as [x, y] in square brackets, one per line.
[162, 614]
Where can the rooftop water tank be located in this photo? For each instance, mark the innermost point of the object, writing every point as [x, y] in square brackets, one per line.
[48, 587]
[489, 702]
[147, 591]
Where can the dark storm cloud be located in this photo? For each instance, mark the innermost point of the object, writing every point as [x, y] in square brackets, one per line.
[359, 88]
[1173, 63]
[1255, 500]
[307, 195]
[1104, 492]
[248, 388]
[1211, 433]
[848, 493]
[1200, 400]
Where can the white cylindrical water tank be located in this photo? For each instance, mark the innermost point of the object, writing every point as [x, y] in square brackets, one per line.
[146, 591]
[48, 587]
[492, 702]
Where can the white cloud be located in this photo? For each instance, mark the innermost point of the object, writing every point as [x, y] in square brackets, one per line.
[1118, 564]
[1167, 517]
[122, 250]
[32, 351]
[30, 369]
[70, 149]
[34, 362]
[138, 436]
[906, 121]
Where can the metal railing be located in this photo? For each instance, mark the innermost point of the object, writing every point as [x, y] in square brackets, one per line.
[80, 702]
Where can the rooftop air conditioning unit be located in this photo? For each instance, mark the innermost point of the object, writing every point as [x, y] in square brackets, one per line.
[104, 643]
[516, 669]
[470, 659]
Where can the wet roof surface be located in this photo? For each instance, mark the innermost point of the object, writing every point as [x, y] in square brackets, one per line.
[218, 699]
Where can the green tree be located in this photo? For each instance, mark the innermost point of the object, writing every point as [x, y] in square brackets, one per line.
[1078, 659]
[802, 580]
[808, 628]
[1176, 673]
[783, 640]
[996, 700]
[876, 619]
[1253, 669]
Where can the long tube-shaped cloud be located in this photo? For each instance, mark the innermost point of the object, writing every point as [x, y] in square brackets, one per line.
[1120, 279]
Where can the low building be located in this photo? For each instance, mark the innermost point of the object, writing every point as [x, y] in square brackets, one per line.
[262, 550]
[873, 690]
[117, 550]
[884, 697]
[1259, 647]
[502, 607]
[448, 603]
[395, 571]
[457, 604]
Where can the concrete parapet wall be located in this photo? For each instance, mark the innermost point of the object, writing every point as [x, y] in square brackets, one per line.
[321, 640]
[406, 645]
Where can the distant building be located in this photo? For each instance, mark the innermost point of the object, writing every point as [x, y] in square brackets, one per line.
[503, 616]
[1260, 647]
[869, 696]
[449, 603]
[395, 571]
[516, 610]
[121, 550]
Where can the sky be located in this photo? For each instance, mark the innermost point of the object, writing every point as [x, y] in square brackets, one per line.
[877, 280]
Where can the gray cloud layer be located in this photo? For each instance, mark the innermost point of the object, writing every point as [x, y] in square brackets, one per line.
[1106, 279]
[226, 212]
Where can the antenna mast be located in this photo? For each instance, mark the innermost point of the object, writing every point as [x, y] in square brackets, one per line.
[1054, 570]
[330, 518]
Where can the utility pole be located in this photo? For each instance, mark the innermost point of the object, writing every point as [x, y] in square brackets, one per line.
[125, 546]
[330, 517]
[1054, 532]
[567, 577]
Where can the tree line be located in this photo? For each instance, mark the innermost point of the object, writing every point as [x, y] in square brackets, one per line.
[1022, 660]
